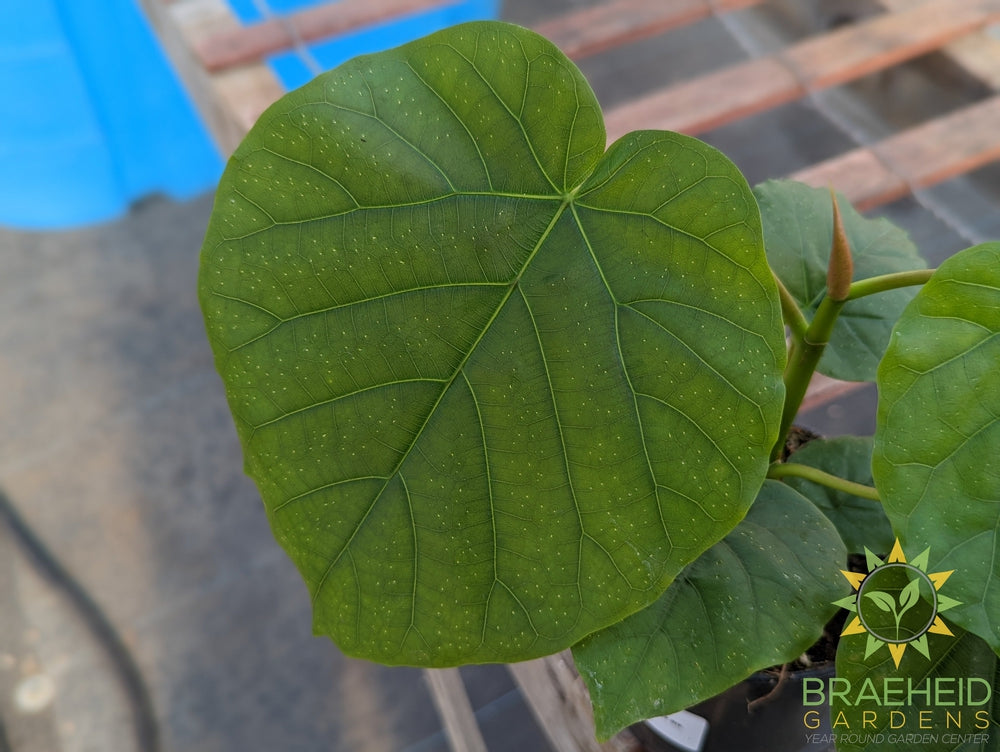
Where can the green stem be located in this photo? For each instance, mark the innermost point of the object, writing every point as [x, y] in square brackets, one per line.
[791, 313]
[810, 340]
[803, 357]
[885, 282]
[791, 469]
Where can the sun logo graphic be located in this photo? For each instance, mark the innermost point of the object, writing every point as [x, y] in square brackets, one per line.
[897, 603]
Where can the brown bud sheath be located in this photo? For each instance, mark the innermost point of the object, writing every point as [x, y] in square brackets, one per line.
[840, 272]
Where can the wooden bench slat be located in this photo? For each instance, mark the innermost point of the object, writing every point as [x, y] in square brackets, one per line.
[860, 175]
[709, 101]
[245, 93]
[455, 710]
[228, 103]
[611, 24]
[887, 40]
[715, 99]
[919, 157]
[243, 45]
[578, 34]
[977, 54]
[558, 698]
[946, 146]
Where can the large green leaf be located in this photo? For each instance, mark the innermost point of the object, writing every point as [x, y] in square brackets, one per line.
[937, 436]
[798, 233]
[757, 598]
[878, 713]
[496, 387]
[862, 523]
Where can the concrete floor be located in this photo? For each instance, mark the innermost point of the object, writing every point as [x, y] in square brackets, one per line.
[120, 454]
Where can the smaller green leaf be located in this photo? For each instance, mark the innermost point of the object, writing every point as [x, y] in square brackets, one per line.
[877, 712]
[798, 236]
[938, 432]
[861, 522]
[758, 598]
[883, 600]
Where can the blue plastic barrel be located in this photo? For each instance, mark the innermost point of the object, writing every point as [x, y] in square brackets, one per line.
[91, 116]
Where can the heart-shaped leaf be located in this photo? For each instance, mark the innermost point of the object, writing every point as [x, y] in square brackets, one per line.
[757, 598]
[496, 387]
[798, 233]
[861, 522]
[878, 713]
[938, 429]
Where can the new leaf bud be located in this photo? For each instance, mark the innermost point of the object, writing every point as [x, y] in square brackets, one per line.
[840, 271]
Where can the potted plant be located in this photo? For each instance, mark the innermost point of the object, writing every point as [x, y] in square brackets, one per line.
[506, 391]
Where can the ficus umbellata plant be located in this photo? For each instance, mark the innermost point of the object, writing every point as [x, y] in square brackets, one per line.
[507, 390]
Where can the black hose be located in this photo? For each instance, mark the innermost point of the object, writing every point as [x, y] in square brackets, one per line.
[4, 742]
[146, 727]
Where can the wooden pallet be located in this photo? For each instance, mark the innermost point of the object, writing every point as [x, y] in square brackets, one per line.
[222, 63]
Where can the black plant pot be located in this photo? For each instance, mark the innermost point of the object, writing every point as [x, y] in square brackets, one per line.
[761, 714]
